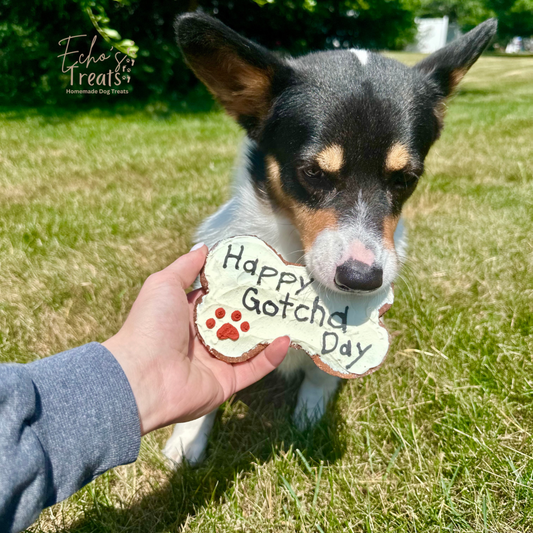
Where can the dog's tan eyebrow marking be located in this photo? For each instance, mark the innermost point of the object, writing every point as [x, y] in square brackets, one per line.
[331, 158]
[397, 158]
[309, 222]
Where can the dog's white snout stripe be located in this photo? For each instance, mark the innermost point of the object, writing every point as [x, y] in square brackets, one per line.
[359, 252]
[362, 55]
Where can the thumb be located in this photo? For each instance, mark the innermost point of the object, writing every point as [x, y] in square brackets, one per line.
[254, 369]
[188, 266]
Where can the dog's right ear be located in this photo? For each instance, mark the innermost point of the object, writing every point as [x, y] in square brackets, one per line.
[242, 75]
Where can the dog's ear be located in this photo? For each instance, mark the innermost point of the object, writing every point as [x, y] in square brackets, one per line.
[447, 66]
[242, 75]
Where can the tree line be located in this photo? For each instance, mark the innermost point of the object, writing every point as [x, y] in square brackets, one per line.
[30, 33]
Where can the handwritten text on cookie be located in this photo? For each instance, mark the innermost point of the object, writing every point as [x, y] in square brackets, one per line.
[291, 289]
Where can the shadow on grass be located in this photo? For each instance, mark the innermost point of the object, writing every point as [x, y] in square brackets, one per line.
[467, 91]
[198, 101]
[248, 437]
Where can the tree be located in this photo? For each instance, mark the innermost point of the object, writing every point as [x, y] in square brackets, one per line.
[298, 26]
[515, 17]
[467, 13]
[30, 70]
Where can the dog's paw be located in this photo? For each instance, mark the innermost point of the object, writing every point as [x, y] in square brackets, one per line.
[178, 450]
[189, 441]
[315, 392]
[310, 407]
[305, 418]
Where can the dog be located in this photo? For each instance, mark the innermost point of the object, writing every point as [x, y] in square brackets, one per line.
[335, 144]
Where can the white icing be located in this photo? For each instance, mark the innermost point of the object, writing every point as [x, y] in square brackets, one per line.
[227, 287]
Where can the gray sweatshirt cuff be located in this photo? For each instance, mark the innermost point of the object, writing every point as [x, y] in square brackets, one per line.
[86, 417]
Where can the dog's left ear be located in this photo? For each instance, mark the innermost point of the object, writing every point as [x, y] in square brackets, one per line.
[447, 66]
[242, 75]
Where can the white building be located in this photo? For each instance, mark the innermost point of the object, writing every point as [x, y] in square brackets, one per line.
[433, 34]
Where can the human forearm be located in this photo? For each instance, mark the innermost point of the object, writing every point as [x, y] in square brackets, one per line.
[63, 421]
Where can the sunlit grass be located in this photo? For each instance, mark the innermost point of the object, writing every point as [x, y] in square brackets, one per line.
[439, 439]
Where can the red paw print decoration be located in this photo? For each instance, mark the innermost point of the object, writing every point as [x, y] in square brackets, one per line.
[227, 330]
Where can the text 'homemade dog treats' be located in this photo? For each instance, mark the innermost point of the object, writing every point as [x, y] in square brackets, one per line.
[254, 296]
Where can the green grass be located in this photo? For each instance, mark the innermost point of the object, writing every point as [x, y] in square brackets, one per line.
[439, 439]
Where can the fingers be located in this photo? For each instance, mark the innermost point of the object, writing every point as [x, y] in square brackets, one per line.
[254, 369]
[188, 266]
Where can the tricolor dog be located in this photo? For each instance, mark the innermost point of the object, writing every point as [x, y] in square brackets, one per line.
[335, 145]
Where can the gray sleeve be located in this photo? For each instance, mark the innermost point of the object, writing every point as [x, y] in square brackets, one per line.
[64, 420]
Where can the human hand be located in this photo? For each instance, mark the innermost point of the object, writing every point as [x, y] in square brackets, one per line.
[173, 377]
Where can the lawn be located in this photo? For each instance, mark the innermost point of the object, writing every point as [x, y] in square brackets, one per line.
[439, 439]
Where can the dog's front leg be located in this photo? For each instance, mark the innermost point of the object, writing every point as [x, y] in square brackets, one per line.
[189, 440]
[315, 392]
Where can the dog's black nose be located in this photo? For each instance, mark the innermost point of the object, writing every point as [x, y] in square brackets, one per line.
[356, 276]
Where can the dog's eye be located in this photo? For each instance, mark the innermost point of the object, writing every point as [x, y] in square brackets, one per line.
[403, 180]
[313, 179]
[313, 173]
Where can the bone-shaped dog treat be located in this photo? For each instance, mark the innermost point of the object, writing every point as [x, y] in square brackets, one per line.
[254, 296]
